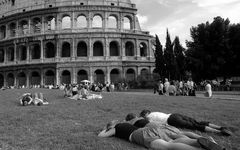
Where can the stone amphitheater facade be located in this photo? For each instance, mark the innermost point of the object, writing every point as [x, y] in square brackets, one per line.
[49, 42]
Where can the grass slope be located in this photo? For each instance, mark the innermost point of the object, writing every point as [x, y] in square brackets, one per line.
[73, 125]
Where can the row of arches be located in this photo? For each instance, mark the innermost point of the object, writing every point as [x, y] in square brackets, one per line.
[37, 24]
[49, 77]
[82, 50]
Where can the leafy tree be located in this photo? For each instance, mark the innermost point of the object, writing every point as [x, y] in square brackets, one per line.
[159, 59]
[209, 52]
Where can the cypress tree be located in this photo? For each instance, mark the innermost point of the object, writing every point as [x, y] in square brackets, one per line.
[159, 59]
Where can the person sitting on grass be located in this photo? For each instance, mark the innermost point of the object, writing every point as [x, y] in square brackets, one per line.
[158, 137]
[208, 89]
[172, 91]
[185, 122]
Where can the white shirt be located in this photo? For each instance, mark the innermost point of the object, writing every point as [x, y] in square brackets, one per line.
[158, 117]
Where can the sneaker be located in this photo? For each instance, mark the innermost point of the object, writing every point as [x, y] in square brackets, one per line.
[225, 131]
[209, 145]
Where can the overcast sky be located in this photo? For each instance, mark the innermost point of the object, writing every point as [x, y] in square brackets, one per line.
[180, 15]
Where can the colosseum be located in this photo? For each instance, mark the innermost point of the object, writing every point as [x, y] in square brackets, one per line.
[49, 42]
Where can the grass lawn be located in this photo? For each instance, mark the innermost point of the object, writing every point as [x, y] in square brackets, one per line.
[73, 125]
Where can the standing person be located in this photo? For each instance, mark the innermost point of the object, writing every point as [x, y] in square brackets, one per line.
[166, 86]
[158, 137]
[185, 122]
[208, 89]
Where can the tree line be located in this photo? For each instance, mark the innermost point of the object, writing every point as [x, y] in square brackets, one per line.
[213, 51]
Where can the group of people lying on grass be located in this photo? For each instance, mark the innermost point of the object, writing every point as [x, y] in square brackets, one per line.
[37, 99]
[159, 131]
[80, 93]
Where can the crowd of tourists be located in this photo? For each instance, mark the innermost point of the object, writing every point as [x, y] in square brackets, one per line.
[180, 88]
[175, 88]
[161, 131]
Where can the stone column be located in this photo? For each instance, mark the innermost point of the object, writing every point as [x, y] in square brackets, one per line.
[15, 79]
[29, 25]
[57, 45]
[73, 51]
[90, 75]
[137, 49]
[5, 55]
[15, 52]
[28, 52]
[27, 79]
[42, 77]
[43, 25]
[150, 51]
[5, 79]
[123, 49]
[57, 77]
[73, 20]
[74, 77]
[17, 28]
[6, 32]
[107, 76]
[106, 48]
[90, 48]
[42, 51]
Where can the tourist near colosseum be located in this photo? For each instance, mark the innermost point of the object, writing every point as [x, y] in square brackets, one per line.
[50, 42]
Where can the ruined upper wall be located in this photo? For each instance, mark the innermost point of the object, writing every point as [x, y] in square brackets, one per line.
[9, 7]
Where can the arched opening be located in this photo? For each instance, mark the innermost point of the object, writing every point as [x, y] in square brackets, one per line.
[99, 76]
[12, 29]
[22, 55]
[144, 73]
[2, 32]
[114, 50]
[81, 21]
[82, 49]
[35, 78]
[66, 77]
[49, 77]
[10, 54]
[127, 23]
[66, 22]
[36, 51]
[50, 50]
[2, 53]
[129, 48]
[37, 25]
[115, 76]
[23, 27]
[82, 75]
[22, 79]
[97, 49]
[10, 80]
[66, 50]
[112, 22]
[1, 80]
[130, 75]
[51, 23]
[97, 22]
[143, 49]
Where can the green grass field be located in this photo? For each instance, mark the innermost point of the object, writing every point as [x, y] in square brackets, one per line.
[73, 125]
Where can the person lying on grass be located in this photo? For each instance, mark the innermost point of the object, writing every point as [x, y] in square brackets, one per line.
[36, 99]
[185, 122]
[158, 137]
